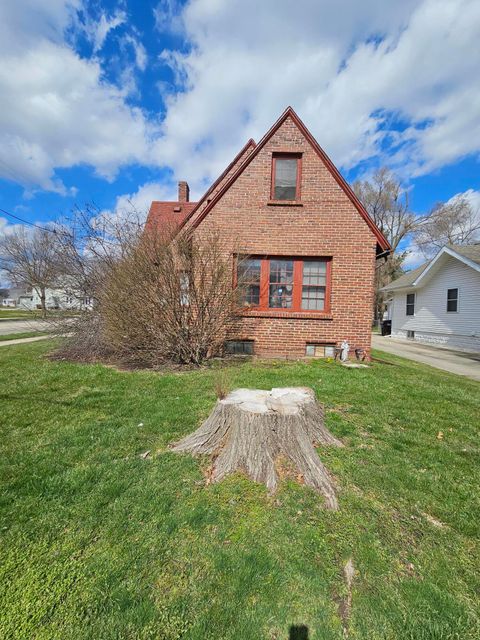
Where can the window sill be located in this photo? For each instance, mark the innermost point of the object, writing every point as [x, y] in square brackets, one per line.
[284, 203]
[278, 313]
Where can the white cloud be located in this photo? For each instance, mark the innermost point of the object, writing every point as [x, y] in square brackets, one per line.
[139, 51]
[347, 68]
[414, 258]
[141, 199]
[57, 109]
[57, 112]
[99, 29]
[167, 15]
[472, 196]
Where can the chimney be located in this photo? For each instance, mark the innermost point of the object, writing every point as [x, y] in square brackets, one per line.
[183, 191]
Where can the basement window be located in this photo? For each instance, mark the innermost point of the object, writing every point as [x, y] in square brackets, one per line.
[313, 350]
[239, 347]
[410, 334]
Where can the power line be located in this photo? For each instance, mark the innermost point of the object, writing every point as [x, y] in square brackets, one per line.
[31, 224]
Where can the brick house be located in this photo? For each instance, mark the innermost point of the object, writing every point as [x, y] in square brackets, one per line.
[308, 246]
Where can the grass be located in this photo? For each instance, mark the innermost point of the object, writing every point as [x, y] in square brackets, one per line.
[97, 542]
[18, 336]
[13, 314]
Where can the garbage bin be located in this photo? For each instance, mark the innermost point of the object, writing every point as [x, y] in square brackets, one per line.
[386, 327]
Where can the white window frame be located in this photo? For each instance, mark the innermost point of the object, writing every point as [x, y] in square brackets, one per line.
[414, 294]
[458, 300]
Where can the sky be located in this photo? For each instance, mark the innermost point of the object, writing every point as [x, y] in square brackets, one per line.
[113, 102]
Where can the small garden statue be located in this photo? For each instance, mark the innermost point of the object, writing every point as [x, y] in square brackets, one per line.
[345, 347]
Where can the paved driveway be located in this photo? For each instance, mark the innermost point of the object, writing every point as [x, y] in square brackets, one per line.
[464, 364]
[8, 327]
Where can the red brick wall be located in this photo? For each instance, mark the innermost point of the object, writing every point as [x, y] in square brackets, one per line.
[327, 224]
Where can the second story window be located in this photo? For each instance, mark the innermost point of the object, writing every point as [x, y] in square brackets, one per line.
[285, 177]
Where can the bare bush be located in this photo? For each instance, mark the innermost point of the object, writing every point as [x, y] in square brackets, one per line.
[158, 297]
[169, 301]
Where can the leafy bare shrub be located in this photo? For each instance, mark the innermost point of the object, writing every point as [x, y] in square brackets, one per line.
[169, 300]
[157, 297]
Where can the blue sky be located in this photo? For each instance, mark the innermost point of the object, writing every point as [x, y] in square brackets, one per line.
[113, 101]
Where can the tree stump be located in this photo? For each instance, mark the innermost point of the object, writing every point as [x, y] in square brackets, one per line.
[250, 429]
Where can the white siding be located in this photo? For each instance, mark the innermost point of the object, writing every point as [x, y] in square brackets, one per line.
[431, 322]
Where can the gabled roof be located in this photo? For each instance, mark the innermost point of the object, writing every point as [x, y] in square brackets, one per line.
[467, 254]
[469, 251]
[407, 279]
[164, 214]
[290, 113]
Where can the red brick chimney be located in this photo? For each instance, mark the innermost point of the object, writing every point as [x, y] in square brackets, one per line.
[183, 192]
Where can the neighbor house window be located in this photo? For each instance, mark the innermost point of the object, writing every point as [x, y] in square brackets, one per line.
[285, 177]
[410, 307]
[452, 299]
[290, 284]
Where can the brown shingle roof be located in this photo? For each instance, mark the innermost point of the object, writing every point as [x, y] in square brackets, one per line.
[470, 251]
[407, 279]
[168, 215]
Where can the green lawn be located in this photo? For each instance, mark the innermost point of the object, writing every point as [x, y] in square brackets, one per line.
[11, 314]
[18, 336]
[100, 544]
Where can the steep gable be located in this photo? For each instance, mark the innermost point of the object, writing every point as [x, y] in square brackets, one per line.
[301, 137]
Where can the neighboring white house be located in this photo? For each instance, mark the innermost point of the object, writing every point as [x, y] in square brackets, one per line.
[439, 302]
[61, 298]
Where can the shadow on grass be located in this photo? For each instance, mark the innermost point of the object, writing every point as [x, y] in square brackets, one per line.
[298, 632]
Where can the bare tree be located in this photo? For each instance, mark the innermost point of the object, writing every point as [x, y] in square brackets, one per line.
[29, 258]
[454, 222]
[387, 204]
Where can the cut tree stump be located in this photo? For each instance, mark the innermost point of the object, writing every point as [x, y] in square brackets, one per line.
[250, 429]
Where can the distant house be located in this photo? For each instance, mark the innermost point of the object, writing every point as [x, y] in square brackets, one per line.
[307, 245]
[439, 302]
[15, 294]
[61, 298]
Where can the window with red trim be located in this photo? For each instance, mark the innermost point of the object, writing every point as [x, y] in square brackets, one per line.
[285, 176]
[248, 276]
[286, 284]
